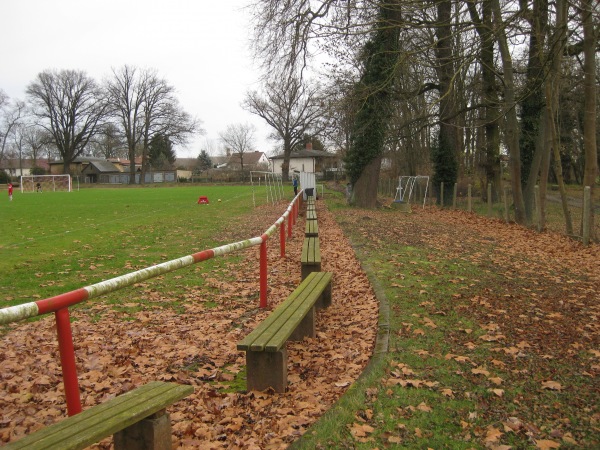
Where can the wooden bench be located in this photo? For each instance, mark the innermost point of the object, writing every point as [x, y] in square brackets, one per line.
[310, 261]
[312, 229]
[311, 214]
[137, 419]
[266, 355]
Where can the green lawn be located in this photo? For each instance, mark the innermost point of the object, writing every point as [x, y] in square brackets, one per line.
[55, 242]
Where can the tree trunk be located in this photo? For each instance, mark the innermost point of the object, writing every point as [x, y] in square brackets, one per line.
[542, 150]
[589, 120]
[285, 165]
[444, 157]
[532, 104]
[545, 169]
[551, 87]
[483, 26]
[364, 191]
[375, 93]
[512, 125]
[558, 171]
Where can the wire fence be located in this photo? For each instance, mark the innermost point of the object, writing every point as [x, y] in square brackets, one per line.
[500, 205]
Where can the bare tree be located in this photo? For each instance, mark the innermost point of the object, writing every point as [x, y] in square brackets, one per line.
[37, 140]
[126, 92]
[109, 142]
[163, 116]
[71, 107]
[291, 108]
[11, 114]
[145, 105]
[239, 138]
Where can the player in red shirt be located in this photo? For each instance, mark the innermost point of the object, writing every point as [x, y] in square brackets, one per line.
[10, 189]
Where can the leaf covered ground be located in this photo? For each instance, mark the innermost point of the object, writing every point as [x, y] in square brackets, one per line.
[120, 348]
[493, 341]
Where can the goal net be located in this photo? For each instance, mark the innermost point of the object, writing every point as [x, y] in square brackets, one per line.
[46, 183]
[266, 184]
[412, 189]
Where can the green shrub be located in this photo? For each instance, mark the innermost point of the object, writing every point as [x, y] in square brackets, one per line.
[4, 177]
[38, 171]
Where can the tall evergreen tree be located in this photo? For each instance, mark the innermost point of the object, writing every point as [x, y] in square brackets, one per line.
[160, 152]
[204, 161]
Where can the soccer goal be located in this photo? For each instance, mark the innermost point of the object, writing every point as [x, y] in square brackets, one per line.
[46, 183]
[268, 184]
[412, 189]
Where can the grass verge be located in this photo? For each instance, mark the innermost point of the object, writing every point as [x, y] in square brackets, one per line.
[453, 376]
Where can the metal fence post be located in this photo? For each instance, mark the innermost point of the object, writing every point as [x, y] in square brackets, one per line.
[67, 361]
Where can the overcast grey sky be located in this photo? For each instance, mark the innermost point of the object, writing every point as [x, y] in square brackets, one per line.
[200, 47]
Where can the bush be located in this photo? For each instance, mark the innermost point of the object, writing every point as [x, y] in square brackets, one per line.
[4, 177]
[37, 171]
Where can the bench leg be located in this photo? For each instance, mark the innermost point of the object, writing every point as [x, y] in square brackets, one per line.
[306, 328]
[266, 370]
[152, 433]
[306, 269]
[325, 299]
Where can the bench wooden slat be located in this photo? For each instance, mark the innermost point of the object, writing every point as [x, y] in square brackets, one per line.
[311, 251]
[94, 424]
[309, 300]
[263, 335]
[258, 338]
[311, 215]
[312, 228]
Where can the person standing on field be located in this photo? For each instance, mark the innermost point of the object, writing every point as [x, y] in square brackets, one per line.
[295, 184]
[10, 190]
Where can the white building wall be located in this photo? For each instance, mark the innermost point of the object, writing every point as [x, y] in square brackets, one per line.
[296, 164]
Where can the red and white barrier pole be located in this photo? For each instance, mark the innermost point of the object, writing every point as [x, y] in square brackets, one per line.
[263, 272]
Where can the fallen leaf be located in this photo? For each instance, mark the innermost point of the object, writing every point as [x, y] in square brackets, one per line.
[552, 385]
[448, 393]
[424, 407]
[492, 434]
[545, 444]
[480, 371]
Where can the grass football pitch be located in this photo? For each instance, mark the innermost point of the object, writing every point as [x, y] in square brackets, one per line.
[55, 242]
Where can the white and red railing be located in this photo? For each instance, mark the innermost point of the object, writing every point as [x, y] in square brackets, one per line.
[59, 304]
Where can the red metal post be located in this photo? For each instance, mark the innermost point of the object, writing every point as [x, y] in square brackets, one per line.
[282, 238]
[289, 233]
[67, 361]
[263, 272]
[294, 212]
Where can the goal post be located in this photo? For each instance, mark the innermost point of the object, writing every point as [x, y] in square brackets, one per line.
[46, 183]
[412, 189]
[272, 184]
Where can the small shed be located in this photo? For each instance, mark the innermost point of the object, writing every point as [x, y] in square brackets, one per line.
[99, 171]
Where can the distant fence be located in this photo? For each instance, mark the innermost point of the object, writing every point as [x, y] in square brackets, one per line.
[59, 304]
[500, 205]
